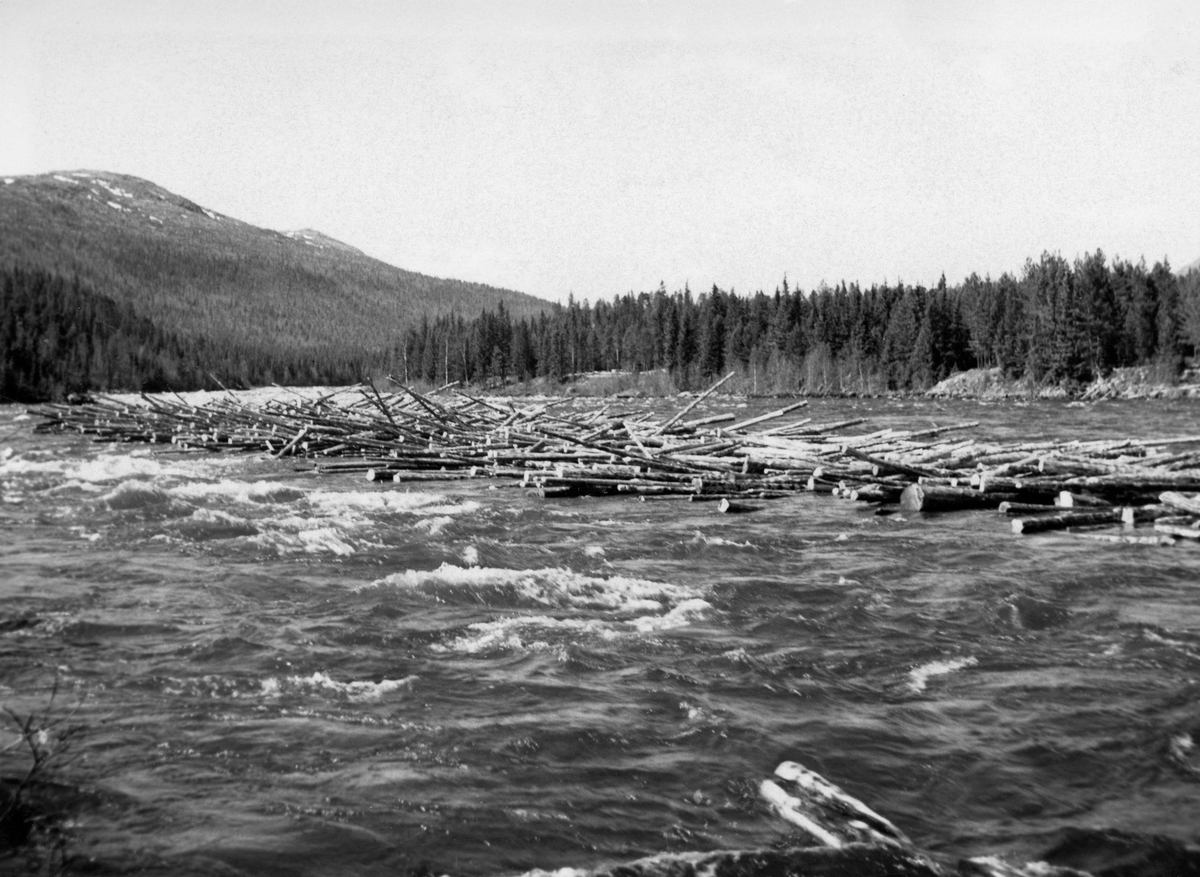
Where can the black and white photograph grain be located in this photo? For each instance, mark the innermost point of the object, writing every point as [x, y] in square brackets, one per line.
[634, 438]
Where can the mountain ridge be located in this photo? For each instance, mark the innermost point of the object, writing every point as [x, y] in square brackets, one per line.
[183, 295]
[78, 198]
[314, 238]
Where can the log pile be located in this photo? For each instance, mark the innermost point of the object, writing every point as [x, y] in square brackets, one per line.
[558, 451]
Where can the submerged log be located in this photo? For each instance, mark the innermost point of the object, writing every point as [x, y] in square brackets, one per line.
[1131, 515]
[557, 491]
[728, 507]
[1183, 532]
[877, 492]
[1128, 538]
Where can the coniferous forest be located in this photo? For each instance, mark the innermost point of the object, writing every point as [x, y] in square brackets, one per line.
[58, 336]
[1056, 323]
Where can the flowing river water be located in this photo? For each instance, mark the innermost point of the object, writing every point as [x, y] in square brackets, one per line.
[276, 672]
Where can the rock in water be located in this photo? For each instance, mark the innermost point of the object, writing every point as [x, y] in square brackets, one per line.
[808, 800]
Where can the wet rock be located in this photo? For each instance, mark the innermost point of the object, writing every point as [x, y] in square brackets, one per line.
[18, 622]
[1114, 853]
[854, 860]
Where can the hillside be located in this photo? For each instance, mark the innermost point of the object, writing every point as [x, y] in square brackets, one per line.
[273, 305]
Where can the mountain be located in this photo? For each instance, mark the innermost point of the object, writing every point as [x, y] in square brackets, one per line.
[1190, 266]
[313, 238]
[268, 305]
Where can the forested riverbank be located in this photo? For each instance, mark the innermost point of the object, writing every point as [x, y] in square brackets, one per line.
[1058, 324]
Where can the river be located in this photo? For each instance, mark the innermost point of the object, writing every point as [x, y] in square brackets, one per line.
[274, 672]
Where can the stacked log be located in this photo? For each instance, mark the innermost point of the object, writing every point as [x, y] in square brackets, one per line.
[559, 452]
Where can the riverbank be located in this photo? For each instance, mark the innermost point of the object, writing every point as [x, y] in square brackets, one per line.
[1143, 382]
[985, 384]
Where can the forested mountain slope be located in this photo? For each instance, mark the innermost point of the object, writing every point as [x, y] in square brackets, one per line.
[263, 305]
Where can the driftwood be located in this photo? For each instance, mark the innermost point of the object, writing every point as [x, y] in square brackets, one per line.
[1014, 509]
[935, 498]
[877, 492]
[1063, 520]
[556, 452]
[1190, 504]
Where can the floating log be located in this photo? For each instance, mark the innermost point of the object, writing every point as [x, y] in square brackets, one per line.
[1026, 489]
[1068, 500]
[695, 402]
[768, 416]
[880, 466]
[1180, 501]
[1063, 520]
[410, 436]
[935, 498]
[1013, 509]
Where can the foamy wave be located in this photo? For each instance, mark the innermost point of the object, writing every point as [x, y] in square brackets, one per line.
[509, 633]
[204, 524]
[703, 539]
[357, 690]
[433, 526]
[547, 587]
[115, 465]
[341, 502]
[918, 676]
[135, 495]
[518, 633]
[306, 538]
[680, 616]
[105, 468]
[260, 492]
[1151, 636]
[219, 687]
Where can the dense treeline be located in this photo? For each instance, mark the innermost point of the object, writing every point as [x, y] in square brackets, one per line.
[1056, 323]
[58, 336]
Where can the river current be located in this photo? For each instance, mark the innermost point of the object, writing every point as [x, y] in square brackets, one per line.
[278, 672]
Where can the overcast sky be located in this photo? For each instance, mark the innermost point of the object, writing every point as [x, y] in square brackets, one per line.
[603, 147]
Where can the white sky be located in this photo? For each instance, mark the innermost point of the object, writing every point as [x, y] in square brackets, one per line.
[601, 147]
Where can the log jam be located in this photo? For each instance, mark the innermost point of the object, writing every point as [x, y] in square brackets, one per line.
[614, 451]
